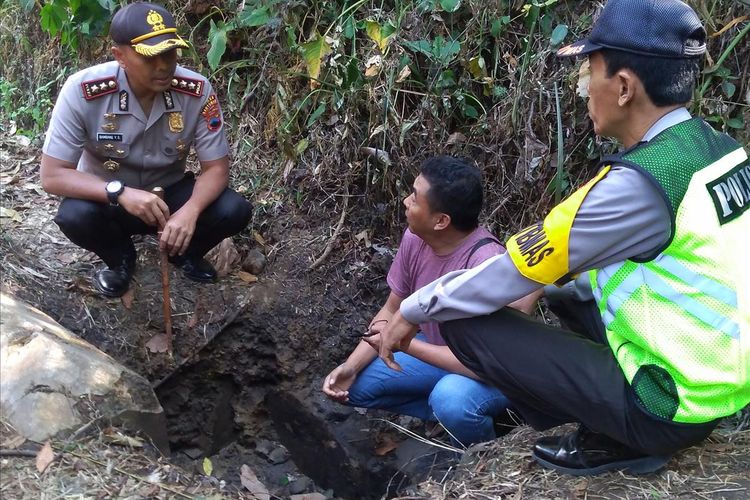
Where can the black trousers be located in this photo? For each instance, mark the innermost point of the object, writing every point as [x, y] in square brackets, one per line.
[106, 230]
[555, 376]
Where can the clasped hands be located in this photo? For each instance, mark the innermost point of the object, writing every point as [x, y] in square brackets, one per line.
[176, 229]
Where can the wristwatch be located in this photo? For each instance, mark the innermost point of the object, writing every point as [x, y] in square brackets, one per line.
[114, 190]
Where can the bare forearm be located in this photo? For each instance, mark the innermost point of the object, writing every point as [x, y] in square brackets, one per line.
[440, 356]
[62, 179]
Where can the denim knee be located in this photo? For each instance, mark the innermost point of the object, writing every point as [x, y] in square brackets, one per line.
[448, 402]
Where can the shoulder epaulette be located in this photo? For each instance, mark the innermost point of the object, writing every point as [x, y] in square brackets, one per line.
[99, 87]
[188, 86]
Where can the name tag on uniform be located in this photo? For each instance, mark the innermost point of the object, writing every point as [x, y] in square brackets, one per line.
[109, 137]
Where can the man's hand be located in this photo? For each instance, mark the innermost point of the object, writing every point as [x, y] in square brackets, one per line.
[179, 230]
[396, 337]
[337, 383]
[144, 205]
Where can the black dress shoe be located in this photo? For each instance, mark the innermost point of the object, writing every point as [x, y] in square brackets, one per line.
[586, 453]
[195, 268]
[114, 281]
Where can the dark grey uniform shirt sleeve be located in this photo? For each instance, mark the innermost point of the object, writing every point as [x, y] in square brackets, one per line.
[623, 216]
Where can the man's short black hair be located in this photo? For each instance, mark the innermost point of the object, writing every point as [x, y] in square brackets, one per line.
[668, 81]
[455, 189]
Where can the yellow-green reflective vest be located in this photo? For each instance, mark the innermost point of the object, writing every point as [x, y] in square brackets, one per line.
[678, 321]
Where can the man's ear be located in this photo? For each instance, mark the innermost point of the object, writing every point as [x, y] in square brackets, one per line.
[119, 55]
[442, 221]
[627, 84]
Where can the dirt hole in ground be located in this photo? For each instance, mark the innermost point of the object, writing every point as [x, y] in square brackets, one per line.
[237, 405]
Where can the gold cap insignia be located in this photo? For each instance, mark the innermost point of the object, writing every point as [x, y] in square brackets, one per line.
[155, 20]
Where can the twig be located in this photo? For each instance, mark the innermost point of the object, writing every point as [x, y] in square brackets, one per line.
[18, 453]
[332, 241]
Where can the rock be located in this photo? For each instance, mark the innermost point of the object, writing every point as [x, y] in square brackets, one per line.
[279, 455]
[51, 381]
[309, 496]
[255, 262]
[299, 485]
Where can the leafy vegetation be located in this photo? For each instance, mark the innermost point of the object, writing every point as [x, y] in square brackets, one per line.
[347, 96]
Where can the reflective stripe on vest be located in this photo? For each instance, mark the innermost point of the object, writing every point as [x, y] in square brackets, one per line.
[674, 276]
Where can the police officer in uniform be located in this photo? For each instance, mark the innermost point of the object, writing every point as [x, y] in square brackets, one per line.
[658, 241]
[120, 129]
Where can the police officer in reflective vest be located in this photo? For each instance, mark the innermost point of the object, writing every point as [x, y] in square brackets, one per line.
[121, 128]
[652, 257]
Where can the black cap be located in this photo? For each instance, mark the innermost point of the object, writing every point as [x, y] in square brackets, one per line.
[659, 28]
[148, 28]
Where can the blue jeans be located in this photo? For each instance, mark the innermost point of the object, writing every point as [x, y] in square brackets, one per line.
[464, 406]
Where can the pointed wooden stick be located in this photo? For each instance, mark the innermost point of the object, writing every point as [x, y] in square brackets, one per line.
[164, 267]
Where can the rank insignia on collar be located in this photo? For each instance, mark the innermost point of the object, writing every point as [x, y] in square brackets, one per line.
[175, 122]
[212, 113]
[97, 88]
[188, 86]
[168, 100]
[124, 100]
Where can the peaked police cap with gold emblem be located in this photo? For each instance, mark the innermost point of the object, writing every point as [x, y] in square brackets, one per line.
[148, 28]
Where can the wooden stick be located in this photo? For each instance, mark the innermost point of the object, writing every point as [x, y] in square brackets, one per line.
[164, 267]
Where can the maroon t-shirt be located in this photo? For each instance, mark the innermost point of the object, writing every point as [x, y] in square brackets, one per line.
[416, 265]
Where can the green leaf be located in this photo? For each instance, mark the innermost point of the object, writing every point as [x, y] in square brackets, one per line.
[450, 5]
[349, 27]
[217, 36]
[208, 467]
[558, 35]
[498, 26]
[314, 51]
[405, 127]
[380, 34]
[316, 114]
[736, 123]
[422, 46]
[250, 18]
[444, 51]
[27, 5]
[301, 146]
[729, 88]
[470, 111]
[52, 16]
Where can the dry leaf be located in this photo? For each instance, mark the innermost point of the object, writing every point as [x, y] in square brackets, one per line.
[250, 481]
[308, 496]
[9, 213]
[116, 437]
[158, 343]
[363, 236]
[13, 443]
[388, 446]
[247, 277]
[372, 66]
[455, 138]
[259, 238]
[45, 457]
[403, 74]
[128, 298]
